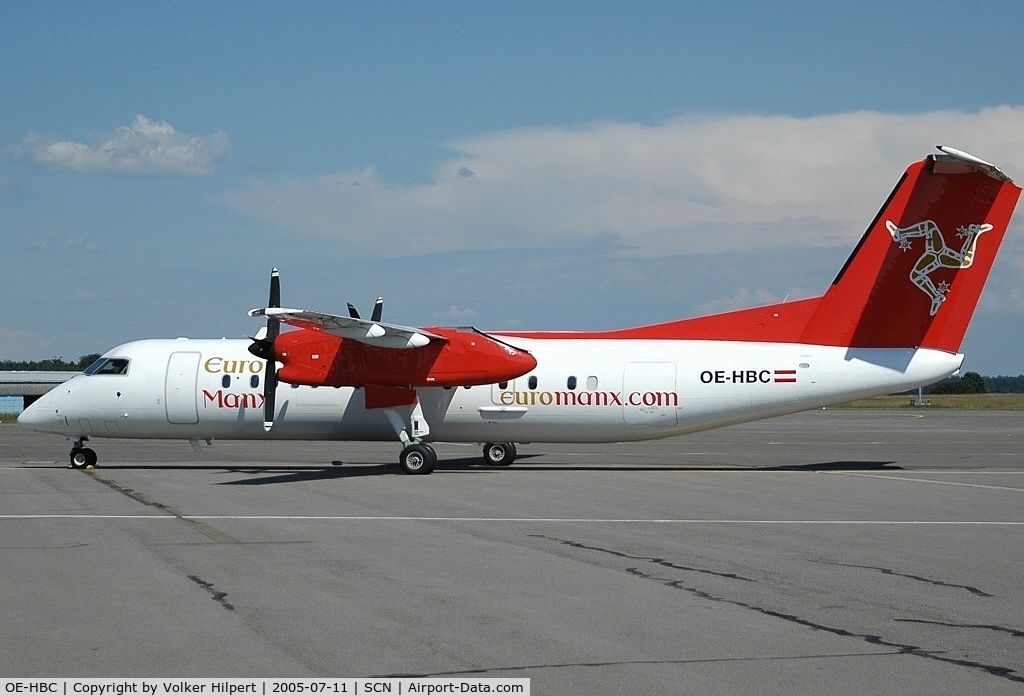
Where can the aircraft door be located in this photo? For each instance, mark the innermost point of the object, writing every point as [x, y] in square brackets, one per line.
[649, 396]
[180, 387]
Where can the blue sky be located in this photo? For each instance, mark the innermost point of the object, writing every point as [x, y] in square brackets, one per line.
[578, 165]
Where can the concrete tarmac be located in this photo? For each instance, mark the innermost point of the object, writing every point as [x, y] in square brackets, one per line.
[838, 551]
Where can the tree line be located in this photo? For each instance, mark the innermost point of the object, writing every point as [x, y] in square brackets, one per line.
[974, 383]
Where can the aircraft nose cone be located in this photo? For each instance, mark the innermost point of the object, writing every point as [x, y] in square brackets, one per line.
[40, 416]
[31, 417]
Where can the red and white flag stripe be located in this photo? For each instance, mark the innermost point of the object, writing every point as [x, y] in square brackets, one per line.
[785, 376]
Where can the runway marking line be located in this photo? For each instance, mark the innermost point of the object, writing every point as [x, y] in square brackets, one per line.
[936, 482]
[546, 520]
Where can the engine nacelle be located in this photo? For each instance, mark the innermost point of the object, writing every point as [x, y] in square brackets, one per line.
[466, 357]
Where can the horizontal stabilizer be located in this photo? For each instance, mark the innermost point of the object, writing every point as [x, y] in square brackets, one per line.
[966, 158]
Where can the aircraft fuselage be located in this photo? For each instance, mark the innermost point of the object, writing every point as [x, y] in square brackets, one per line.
[583, 390]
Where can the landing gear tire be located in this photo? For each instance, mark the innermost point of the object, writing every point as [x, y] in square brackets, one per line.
[499, 453]
[83, 458]
[417, 459]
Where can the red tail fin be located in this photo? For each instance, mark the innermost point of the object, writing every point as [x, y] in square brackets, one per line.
[913, 280]
[917, 274]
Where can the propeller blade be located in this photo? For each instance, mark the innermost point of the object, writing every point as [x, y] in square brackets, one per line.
[263, 347]
[273, 323]
[269, 395]
[275, 288]
[378, 309]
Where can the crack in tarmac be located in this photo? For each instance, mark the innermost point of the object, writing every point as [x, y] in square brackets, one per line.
[618, 663]
[890, 571]
[206, 530]
[655, 559]
[1013, 632]
[1007, 673]
[215, 594]
[872, 639]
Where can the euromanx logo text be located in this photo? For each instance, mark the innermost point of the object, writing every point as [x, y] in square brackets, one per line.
[588, 398]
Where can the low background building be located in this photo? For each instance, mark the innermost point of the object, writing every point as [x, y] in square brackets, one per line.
[19, 388]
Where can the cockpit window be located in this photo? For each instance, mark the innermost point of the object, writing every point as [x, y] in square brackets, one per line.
[108, 366]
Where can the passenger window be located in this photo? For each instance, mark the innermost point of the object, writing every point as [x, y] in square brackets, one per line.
[254, 381]
[533, 382]
[502, 385]
[592, 382]
[571, 382]
[225, 381]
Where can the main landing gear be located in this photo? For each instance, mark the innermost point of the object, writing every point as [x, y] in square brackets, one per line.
[82, 457]
[499, 453]
[417, 458]
[420, 458]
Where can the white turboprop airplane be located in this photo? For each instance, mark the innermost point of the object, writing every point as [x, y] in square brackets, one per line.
[893, 319]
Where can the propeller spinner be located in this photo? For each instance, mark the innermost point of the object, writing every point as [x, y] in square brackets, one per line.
[262, 346]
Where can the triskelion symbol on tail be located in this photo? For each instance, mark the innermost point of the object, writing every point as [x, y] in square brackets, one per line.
[936, 254]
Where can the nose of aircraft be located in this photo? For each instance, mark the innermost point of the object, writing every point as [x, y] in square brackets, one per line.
[40, 415]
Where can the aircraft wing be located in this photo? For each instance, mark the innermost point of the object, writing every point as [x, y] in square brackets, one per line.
[374, 333]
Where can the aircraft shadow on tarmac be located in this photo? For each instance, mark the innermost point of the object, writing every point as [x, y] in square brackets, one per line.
[269, 473]
[852, 465]
[473, 465]
[339, 470]
[836, 466]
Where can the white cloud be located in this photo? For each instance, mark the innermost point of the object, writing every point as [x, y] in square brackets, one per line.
[68, 243]
[742, 297]
[144, 147]
[456, 314]
[692, 184]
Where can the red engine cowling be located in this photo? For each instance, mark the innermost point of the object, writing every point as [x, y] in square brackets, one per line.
[466, 357]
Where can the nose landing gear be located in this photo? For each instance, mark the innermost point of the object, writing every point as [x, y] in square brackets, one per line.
[82, 457]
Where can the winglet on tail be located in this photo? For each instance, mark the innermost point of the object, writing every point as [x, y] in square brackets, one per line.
[918, 272]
